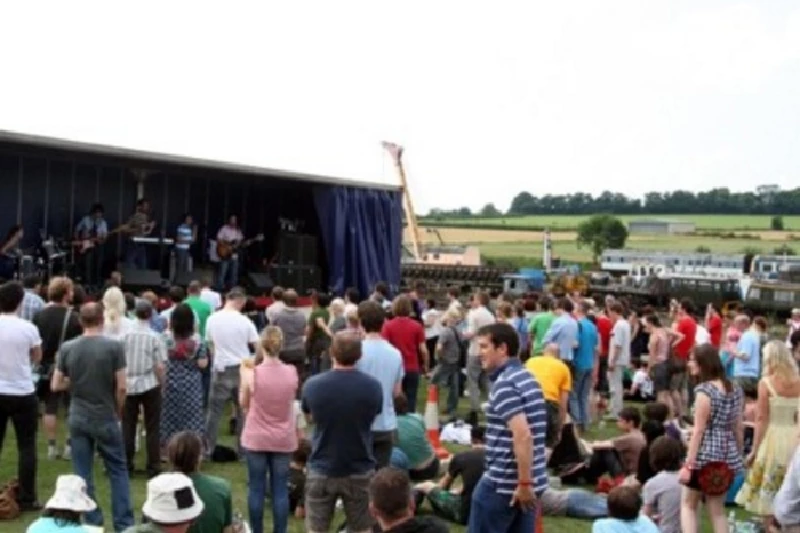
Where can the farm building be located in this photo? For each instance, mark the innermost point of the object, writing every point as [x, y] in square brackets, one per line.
[660, 227]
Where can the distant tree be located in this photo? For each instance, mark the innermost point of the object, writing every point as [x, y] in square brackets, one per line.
[783, 250]
[776, 223]
[703, 249]
[464, 212]
[489, 210]
[600, 232]
[751, 250]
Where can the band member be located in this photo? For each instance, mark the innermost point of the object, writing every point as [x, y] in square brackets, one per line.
[10, 252]
[92, 232]
[184, 238]
[229, 234]
[139, 225]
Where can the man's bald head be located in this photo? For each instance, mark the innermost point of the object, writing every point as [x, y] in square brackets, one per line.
[91, 315]
[346, 349]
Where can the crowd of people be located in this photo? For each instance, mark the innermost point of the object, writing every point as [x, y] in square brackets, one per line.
[124, 368]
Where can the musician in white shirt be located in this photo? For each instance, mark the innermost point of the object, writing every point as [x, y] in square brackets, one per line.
[229, 266]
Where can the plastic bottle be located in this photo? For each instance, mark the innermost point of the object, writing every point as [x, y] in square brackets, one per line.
[732, 522]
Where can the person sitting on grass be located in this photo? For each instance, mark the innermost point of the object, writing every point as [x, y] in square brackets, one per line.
[185, 451]
[455, 505]
[624, 505]
[654, 426]
[555, 379]
[64, 511]
[172, 505]
[662, 493]
[391, 504]
[297, 479]
[413, 452]
[620, 455]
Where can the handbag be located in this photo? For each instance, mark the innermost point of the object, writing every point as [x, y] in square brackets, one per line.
[9, 508]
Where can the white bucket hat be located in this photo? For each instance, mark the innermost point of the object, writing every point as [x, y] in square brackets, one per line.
[71, 495]
[171, 499]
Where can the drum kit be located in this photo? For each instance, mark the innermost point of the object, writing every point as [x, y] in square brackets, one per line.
[45, 260]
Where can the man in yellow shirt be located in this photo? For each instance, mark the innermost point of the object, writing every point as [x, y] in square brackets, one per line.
[555, 380]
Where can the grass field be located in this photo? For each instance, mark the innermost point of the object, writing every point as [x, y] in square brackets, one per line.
[567, 222]
[499, 243]
[235, 473]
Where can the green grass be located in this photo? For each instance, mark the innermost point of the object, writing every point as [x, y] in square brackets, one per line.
[569, 222]
[235, 473]
[568, 250]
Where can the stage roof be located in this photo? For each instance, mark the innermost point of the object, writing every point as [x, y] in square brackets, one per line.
[131, 153]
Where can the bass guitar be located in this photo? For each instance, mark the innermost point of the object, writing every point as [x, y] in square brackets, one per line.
[225, 249]
[84, 245]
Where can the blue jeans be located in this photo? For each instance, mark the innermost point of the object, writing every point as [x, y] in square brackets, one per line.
[136, 255]
[228, 268]
[259, 464]
[579, 398]
[181, 260]
[410, 387]
[586, 505]
[492, 513]
[447, 375]
[106, 436]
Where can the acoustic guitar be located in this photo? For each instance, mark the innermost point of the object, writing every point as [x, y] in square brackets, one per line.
[225, 249]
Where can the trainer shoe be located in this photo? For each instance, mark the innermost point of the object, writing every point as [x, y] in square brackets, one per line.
[67, 455]
[52, 453]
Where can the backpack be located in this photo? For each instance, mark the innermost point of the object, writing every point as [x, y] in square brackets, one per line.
[462, 347]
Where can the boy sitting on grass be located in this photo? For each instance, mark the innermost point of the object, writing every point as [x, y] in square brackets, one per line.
[624, 505]
[297, 478]
[662, 493]
[620, 455]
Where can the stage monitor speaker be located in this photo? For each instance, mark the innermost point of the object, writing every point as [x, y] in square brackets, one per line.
[259, 283]
[136, 280]
[298, 249]
[310, 279]
[286, 276]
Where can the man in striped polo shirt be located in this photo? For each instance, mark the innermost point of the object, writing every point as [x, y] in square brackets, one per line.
[505, 498]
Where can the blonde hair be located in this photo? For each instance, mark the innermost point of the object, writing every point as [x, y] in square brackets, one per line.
[352, 318]
[271, 342]
[337, 307]
[778, 360]
[58, 288]
[113, 307]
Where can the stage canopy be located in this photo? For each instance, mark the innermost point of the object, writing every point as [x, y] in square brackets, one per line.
[47, 183]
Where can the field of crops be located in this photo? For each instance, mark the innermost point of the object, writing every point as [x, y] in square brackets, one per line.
[568, 222]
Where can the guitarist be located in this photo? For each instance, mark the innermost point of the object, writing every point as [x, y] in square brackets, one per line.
[229, 235]
[93, 227]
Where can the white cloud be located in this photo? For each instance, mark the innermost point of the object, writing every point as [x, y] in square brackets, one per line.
[488, 99]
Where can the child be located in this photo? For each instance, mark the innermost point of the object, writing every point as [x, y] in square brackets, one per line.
[662, 493]
[624, 504]
[297, 478]
[641, 385]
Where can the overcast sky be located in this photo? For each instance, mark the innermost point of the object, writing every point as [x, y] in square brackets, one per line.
[488, 98]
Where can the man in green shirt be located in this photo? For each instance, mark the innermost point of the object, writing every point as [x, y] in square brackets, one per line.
[540, 325]
[201, 309]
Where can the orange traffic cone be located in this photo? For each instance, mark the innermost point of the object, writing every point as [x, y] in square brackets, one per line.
[432, 422]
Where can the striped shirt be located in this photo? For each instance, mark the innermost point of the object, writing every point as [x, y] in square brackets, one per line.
[144, 349]
[514, 391]
[185, 236]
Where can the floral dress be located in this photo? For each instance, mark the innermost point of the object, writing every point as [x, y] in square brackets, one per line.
[773, 457]
[182, 406]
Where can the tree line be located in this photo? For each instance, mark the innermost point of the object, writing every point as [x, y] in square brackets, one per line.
[766, 200]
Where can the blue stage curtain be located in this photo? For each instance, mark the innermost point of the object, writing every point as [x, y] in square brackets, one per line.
[362, 233]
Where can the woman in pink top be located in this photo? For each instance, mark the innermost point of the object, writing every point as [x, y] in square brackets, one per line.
[270, 434]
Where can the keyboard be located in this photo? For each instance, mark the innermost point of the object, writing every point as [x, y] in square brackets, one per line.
[153, 240]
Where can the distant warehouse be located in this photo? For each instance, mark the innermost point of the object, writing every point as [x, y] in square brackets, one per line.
[660, 227]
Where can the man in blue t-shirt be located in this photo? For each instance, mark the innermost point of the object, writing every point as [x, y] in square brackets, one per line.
[343, 404]
[586, 358]
[747, 359]
[382, 361]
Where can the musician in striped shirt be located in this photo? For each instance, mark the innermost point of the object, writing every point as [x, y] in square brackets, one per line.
[505, 498]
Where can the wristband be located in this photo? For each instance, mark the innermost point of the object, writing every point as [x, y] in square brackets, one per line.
[523, 483]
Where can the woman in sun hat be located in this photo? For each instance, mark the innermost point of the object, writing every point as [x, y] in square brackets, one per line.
[65, 509]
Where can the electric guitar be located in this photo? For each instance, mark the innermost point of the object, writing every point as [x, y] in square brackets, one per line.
[225, 249]
[84, 245]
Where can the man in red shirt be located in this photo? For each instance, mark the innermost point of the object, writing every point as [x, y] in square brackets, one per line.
[604, 327]
[714, 325]
[685, 330]
[408, 336]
